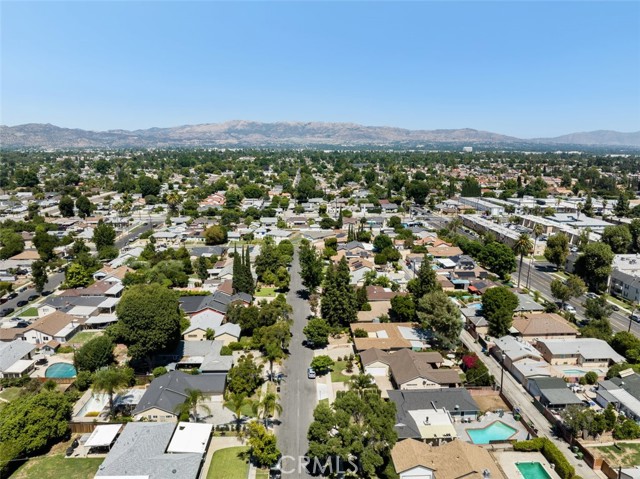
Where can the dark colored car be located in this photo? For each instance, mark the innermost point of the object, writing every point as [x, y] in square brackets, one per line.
[13, 295]
[45, 293]
[33, 297]
[6, 312]
[22, 303]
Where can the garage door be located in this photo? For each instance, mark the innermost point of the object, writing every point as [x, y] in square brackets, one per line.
[376, 371]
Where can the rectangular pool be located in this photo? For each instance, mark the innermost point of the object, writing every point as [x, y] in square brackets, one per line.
[532, 470]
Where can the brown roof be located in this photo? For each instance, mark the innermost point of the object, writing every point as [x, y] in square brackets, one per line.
[453, 460]
[378, 308]
[96, 289]
[9, 334]
[52, 323]
[406, 365]
[542, 324]
[28, 254]
[118, 272]
[226, 287]
[444, 251]
[378, 293]
[388, 336]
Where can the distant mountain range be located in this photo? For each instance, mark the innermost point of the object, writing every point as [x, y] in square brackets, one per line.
[292, 135]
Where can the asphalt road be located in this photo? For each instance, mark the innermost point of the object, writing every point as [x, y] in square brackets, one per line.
[298, 395]
[56, 279]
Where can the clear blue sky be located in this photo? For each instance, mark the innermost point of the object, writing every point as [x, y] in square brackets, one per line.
[526, 69]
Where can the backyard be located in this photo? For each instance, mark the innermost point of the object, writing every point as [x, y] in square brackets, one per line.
[623, 454]
[56, 466]
[83, 337]
[227, 463]
[9, 394]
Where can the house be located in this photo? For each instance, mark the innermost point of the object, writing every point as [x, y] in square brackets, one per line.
[526, 304]
[416, 460]
[165, 394]
[390, 336]
[16, 358]
[508, 350]
[57, 325]
[378, 309]
[532, 327]
[622, 392]
[591, 352]
[409, 369]
[157, 451]
[378, 293]
[429, 414]
[475, 322]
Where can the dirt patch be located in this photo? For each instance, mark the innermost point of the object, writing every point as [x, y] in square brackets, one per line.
[490, 403]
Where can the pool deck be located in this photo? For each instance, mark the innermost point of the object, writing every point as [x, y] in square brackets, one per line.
[508, 459]
[39, 371]
[486, 420]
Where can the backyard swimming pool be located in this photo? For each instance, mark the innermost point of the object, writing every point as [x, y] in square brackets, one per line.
[496, 431]
[532, 470]
[579, 372]
[95, 404]
[60, 370]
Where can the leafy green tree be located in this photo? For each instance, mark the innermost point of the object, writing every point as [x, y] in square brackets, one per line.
[111, 381]
[599, 329]
[201, 267]
[439, 314]
[76, 276]
[245, 376]
[339, 304]
[282, 278]
[403, 309]
[45, 243]
[381, 242]
[84, 206]
[523, 246]
[148, 320]
[322, 364]
[565, 290]
[498, 305]
[39, 275]
[621, 208]
[499, 258]
[591, 377]
[594, 265]
[104, 235]
[148, 186]
[418, 191]
[94, 354]
[262, 445]
[12, 243]
[248, 318]
[470, 187]
[311, 267]
[317, 332]
[618, 238]
[597, 308]
[215, 235]
[557, 250]
[634, 229]
[66, 206]
[425, 282]
[31, 424]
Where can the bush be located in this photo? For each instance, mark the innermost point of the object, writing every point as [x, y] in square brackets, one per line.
[360, 333]
[84, 380]
[65, 350]
[366, 307]
[591, 377]
[226, 351]
[235, 346]
[159, 371]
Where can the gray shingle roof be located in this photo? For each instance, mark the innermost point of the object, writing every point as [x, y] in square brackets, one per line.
[140, 451]
[13, 351]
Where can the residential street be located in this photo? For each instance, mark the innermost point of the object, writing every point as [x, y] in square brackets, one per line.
[298, 393]
[520, 398]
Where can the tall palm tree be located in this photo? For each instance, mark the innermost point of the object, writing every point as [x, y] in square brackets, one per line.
[191, 403]
[454, 224]
[267, 407]
[111, 381]
[361, 383]
[236, 402]
[537, 232]
[523, 246]
[604, 208]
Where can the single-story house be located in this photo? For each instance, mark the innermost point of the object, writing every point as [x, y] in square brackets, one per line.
[590, 352]
[16, 358]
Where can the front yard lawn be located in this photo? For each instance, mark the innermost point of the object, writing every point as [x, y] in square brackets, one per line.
[624, 454]
[29, 312]
[57, 466]
[226, 463]
[10, 393]
[336, 372]
[265, 292]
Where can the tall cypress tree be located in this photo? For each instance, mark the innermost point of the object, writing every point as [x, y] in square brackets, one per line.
[248, 278]
[339, 304]
[237, 271]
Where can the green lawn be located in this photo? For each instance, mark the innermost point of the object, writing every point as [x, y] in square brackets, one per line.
[265, 292]
[226, 463]
[56, 466]
[623, 454]
[83, 336]
[619, 302]
[262, 474]
[10, 393]
[29, 312]
[540, 258]
[561, 275]
[336, 372]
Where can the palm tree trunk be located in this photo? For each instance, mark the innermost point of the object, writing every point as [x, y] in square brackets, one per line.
[535, 243]
[520, 269]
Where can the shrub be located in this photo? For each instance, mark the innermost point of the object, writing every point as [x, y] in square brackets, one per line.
[360, 333]
[235, 346]
[551, 454]
[366, 307]
[84, 380]
[159, 371]
[226, 351]
[65, 350]
[591, 377]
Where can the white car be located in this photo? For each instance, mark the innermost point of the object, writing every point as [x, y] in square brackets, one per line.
[569, 309]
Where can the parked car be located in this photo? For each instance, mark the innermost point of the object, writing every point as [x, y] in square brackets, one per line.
[45, 293]
[13, 295]
[22, 303]
[569, 309]
[6, 312]
[635, 317]
[33, 297]
[591, 295]
[311, 373]
[615, 308]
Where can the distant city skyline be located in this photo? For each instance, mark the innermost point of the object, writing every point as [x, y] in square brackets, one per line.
[524, 69]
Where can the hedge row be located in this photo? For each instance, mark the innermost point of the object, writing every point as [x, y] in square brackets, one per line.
[551, 453]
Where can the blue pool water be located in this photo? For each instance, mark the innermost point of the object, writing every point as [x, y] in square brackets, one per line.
[579, 372]
[60, 370]
[496, 431]
[532, 470]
